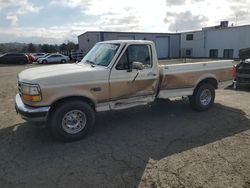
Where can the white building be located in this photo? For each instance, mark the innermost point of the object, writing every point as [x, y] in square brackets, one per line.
[215, 42]
[211, 42]
[167, 44]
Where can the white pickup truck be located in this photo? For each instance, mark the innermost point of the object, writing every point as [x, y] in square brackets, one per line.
[113, 75]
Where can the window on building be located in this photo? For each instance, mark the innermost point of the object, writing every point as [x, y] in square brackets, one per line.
[213, 53]
[228, 53]
[188, 52]
[189, 37]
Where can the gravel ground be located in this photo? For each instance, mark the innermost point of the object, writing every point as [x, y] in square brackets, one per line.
[162, 145]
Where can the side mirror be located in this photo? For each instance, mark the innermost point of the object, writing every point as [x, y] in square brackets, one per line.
[137, 65]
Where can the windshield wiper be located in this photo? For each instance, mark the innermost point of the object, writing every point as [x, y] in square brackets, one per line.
[90, 62]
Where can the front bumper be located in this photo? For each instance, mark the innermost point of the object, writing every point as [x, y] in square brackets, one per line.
[32, 114]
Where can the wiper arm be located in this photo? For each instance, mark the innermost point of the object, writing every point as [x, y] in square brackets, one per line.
[90, 62]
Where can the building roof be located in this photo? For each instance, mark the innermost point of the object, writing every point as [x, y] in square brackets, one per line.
[128, 41]
[120, 32]
[212, 28]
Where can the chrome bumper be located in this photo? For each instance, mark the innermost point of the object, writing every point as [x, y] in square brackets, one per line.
[33, 114]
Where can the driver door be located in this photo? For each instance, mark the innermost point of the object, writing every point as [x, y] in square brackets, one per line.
[131, 87]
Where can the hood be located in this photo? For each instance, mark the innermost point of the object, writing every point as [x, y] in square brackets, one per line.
[63, 74]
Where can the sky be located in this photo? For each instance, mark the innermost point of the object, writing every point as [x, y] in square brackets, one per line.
[58, 21]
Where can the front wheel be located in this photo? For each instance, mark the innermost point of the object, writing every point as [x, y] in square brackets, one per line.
[44, 61]
[72, 120]
[203, 97]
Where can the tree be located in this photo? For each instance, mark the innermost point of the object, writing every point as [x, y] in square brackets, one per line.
[49, 48]
[71, 45]
[24, 49]
[63, 47]
[68, 46]
[2, 50]
[31, 48]
[45, 48]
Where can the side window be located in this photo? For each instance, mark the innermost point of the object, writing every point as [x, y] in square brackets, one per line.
[123, 62]
[135, 53]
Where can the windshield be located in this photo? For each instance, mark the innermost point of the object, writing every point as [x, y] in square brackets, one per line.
[101, 54]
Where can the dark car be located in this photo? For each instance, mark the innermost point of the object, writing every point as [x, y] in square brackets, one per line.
[14, 58]
[242, 74]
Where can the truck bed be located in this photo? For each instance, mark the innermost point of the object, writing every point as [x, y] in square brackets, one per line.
[187, 75]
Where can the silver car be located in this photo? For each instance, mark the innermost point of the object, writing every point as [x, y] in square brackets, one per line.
[53, 58]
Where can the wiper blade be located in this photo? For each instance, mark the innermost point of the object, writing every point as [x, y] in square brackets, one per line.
[90, 62]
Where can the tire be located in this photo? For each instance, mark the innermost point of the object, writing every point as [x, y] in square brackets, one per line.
[237, 86]
[44, 61]
[72, 120]
[203, 97]
[63, 61]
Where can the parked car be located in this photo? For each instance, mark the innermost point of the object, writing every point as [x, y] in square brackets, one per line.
[76, 55]
[38, 55]
[53, 58]
[14, 58]
[241, 74]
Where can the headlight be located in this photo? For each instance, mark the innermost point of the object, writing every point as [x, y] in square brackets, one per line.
[30, 92]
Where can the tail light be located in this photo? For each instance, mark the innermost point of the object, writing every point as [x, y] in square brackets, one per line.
[234, 71]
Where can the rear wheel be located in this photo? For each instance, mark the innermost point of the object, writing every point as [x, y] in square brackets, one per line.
[236, 85]
[72, 120]
[203, 97]
[63, 61]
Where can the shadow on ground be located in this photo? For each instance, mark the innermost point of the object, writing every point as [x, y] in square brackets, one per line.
[242, 88]
[116, 154]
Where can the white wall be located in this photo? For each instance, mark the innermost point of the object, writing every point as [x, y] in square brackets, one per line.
[234, 38]
[197, 44]
[88, 40]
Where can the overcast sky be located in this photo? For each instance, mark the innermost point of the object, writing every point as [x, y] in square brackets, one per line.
[56, 21]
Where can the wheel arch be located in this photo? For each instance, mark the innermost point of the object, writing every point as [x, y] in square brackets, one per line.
[210, 79]
[77, 97]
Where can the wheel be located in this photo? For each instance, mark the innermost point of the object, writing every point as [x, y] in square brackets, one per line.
[72, 120]
[203, 97]
[63, 61]
[237, 86]
[44, 61]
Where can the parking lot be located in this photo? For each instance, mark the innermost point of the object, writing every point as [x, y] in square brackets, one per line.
[162, 145]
